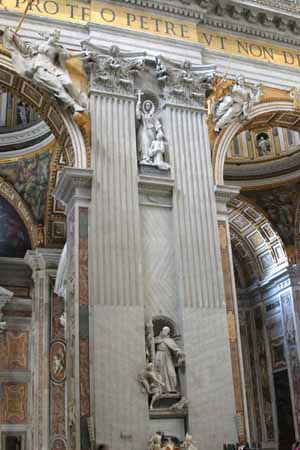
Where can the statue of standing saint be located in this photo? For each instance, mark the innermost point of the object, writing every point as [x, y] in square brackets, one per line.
[167, 355]
[145, 114]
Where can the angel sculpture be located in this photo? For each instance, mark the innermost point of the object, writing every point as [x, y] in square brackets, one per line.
[236, 105]
[44, 64]
[183, 79]
[152, 383]
[113, 69]
[146, 116]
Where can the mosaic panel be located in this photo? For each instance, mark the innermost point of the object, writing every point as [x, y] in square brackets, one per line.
[14, 237]
[30, 176]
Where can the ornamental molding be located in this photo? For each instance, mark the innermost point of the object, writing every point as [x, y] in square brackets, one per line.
[35, 132]
[74, 184]
[186, 8]
[259, 19]
[43, 258]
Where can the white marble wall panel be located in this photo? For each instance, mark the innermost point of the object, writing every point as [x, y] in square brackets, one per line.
[158, 261]
[122, 419]
[209, 377]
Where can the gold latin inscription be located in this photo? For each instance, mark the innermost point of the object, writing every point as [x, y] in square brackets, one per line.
[106, 14]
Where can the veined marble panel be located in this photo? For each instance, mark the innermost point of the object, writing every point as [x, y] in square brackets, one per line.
[158, 261]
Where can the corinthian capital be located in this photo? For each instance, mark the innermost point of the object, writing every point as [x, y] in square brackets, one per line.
[112, 70]
[183, 82]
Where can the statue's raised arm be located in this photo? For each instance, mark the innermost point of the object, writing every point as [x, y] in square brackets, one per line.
[44, 64]
[21, 52]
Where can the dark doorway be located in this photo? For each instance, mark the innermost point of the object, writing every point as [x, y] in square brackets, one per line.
[13, 443]
[284, 410]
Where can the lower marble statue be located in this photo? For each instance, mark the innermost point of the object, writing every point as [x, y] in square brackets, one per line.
[159, 379]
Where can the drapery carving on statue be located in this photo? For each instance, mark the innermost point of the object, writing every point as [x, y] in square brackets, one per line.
[236, 104]
[61, 274]
[44, 65]
[168, 356]
[159, 378]
[184, 82]
[110, 69]
[151, 139]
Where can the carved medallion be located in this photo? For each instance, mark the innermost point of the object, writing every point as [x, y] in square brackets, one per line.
[58, 361]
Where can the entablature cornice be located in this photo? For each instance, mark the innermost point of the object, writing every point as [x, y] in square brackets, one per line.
[264, 19]
[255, 19]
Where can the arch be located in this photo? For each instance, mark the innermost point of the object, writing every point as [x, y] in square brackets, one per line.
[8, 192]
[223, 140]
[59, 120]
[254, 241]
[163, 321]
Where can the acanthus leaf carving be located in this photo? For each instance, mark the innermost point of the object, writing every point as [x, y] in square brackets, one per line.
[112, 70]
[184, 82]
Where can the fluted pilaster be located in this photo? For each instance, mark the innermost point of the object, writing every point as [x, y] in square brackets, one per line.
[200, 286]
[118, 312]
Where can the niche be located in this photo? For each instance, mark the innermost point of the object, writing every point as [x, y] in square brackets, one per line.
[13, 441]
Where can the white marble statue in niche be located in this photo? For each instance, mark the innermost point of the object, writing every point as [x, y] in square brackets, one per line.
[151, 140]
[159, 378]
[236, 105]
[263, 144]
[44, 65]
[168, 356]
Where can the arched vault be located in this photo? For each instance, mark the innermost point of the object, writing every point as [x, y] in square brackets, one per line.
[255, 244]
